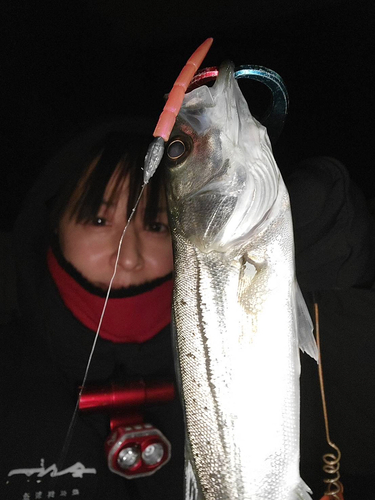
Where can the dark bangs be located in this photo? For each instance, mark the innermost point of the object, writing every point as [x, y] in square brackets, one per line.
[124, 154]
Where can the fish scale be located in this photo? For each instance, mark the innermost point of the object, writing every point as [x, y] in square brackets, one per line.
[239, 316]
[217, 391]
[195, 354]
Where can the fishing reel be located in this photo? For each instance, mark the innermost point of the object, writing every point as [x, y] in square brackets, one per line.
[134, 449]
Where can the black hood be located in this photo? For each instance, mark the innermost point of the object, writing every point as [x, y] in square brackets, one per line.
[31, 231]
[333, 228]
[43, 312]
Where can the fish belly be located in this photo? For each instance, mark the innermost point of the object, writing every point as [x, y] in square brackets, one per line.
[239, 368]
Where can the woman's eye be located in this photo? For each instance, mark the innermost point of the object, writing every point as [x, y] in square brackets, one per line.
[158, 227]
[99, 221]
[176, 149]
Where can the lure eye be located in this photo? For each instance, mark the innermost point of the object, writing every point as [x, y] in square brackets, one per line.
[176, 149]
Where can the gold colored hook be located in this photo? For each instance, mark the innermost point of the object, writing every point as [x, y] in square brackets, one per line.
[331, 467]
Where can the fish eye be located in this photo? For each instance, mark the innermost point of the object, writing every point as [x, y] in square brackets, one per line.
[176, 149]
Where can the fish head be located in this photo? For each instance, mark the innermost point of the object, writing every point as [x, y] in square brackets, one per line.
[221, 177]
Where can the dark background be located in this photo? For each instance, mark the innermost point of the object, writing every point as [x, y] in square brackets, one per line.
[66, 63]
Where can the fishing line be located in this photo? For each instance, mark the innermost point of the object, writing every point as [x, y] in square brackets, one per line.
[152, 161]
[73, 420]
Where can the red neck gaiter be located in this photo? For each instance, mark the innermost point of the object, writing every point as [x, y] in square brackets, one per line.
[136, 319]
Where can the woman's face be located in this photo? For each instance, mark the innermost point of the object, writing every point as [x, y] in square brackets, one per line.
[91, 247]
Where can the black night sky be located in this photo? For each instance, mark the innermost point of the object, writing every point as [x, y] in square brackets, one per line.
[67, 63]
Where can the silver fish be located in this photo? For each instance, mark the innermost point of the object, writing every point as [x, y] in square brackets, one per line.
[239, 315]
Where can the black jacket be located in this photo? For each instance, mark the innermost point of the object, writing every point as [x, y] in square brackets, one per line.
[335, 263]
[45, 352]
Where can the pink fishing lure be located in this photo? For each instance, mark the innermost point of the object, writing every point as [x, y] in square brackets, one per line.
[172, 107]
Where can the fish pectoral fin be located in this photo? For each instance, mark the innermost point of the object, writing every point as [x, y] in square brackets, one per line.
[306, 339]
[302, 492]
[192, 490]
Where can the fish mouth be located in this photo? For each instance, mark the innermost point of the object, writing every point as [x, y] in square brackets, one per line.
[226, 73]
[225, 187]
[205, 98]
